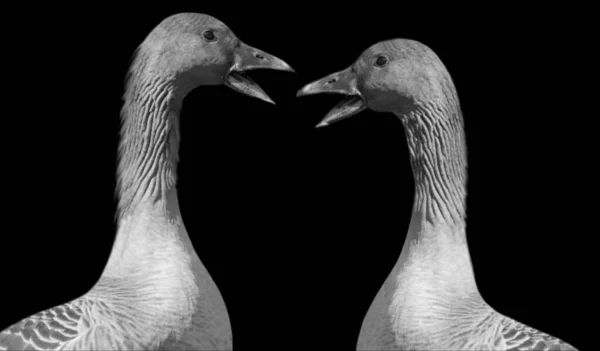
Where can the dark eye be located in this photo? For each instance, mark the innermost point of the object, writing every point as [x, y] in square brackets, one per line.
[209, 35]
[381, 61]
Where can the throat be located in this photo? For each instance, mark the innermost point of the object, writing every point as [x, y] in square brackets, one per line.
[150, 230]
[438, 159]
[435, 255]
[148, 152]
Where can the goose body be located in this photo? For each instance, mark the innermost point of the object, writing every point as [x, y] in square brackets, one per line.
[430, 300]
[154, 292]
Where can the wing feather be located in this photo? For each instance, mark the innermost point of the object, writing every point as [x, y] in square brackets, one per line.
[519, 337]
[47, 330]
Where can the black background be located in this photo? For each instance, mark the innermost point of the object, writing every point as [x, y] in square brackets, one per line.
[298, 226]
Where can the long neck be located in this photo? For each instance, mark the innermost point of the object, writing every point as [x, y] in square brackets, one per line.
[152, 270]
[437, 147]
[149, 220]
[149, 142]
[436, 238]
[435, 297]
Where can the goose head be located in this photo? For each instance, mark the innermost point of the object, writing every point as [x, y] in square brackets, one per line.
[196, 49]
[395, 76]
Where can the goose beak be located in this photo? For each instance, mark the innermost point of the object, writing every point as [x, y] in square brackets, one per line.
[247, 58]
[343, 82]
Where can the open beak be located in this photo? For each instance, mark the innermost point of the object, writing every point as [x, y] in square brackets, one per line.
[247, 58]
[343, 82]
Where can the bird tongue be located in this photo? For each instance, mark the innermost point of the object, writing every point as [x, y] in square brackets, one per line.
[238, 82]
[352, 105]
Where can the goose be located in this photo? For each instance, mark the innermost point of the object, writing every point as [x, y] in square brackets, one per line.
[154, 292]
[430, 300]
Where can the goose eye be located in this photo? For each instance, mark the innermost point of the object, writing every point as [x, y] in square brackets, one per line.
[381, 61]
[209, 35]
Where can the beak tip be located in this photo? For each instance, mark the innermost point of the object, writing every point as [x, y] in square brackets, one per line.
[279, 64]
[304, 91]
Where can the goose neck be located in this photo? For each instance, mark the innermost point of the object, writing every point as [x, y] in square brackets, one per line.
[436, 240]
[148, 152]
[437, 148]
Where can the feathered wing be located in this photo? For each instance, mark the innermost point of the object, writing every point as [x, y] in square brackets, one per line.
[87, 323]
[51, 329]
[519, 337]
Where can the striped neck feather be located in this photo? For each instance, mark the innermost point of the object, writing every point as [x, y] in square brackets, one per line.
[435, 255]
[438, 156]
[148, 152]
[436, 300]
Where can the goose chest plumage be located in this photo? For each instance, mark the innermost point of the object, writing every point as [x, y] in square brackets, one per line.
[154, 292]
[430, 300]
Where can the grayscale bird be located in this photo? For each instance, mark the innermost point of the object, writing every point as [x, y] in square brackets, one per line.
[430, 300]
[154, 292]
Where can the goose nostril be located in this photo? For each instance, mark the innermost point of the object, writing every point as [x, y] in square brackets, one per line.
[331, 81]
[259, 56]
